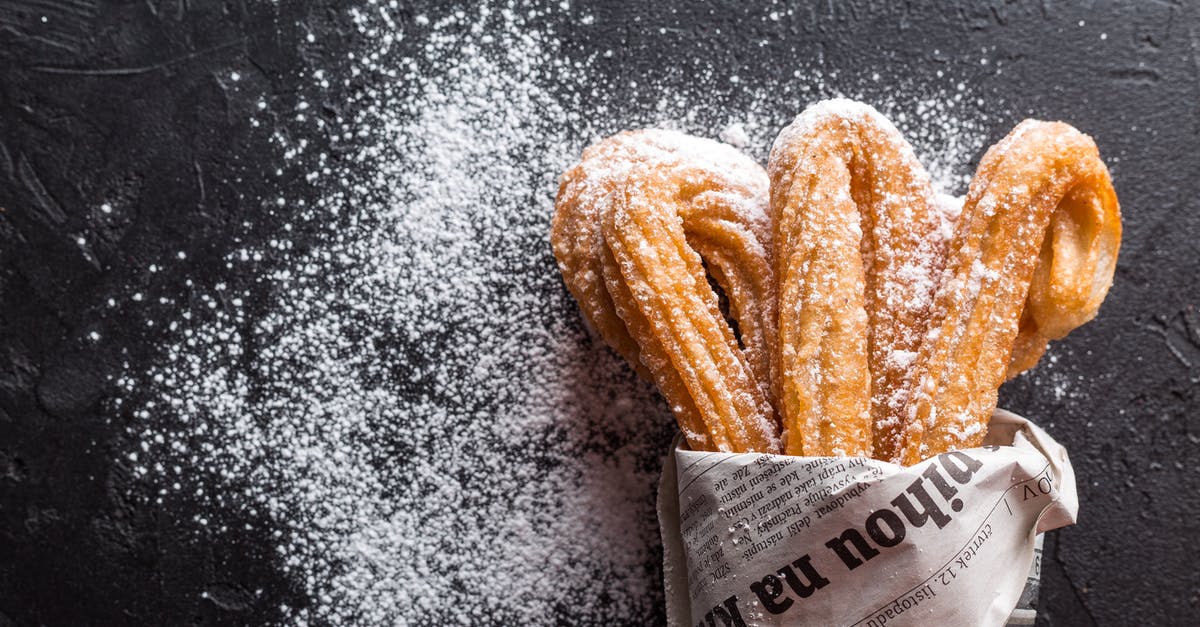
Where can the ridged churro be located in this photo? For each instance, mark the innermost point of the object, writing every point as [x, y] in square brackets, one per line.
[867, 315]
[640, 217]
[857, 255]
[583, 195]
[1039, 232]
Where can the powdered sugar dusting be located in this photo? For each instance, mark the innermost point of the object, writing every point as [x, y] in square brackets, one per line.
[429, 431]
[412, 404]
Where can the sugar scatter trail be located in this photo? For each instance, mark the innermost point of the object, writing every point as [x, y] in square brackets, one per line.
[418, 410]
[412, 403]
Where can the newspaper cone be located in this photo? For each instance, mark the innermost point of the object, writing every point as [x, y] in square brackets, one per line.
[755, 539]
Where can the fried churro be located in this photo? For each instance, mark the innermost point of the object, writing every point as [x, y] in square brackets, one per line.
[867, 315]
[640, 218]
[857, 254]
[1038, 238]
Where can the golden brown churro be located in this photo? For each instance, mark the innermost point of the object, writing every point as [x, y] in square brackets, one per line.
[1040, 224]
[656, 207]
[857, 253]
[875, 318]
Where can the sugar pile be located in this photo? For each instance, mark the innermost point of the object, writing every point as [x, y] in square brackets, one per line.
[412, 403]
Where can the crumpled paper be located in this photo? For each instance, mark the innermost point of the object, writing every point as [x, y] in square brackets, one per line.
[756, 539]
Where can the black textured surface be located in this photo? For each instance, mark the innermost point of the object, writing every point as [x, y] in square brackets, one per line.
[132, 103]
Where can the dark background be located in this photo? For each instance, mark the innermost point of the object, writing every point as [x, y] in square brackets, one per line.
[132, 102]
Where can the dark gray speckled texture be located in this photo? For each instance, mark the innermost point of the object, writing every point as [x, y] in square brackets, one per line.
[130, 103]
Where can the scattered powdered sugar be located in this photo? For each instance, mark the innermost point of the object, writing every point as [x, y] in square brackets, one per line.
[417, 410]
[411, 403]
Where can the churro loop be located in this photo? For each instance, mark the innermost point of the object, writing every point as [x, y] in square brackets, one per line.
[857, 253]
[667, 281]
[636, 222]
[1040, 225]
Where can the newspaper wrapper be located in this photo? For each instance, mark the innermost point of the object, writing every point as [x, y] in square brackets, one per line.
[755, 539]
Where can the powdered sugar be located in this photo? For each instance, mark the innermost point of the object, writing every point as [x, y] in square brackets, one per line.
[412, 404]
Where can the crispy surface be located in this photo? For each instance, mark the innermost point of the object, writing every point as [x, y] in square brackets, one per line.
[636, 222]
[583, 194]
[667, 282]
[857, 253]
[1040, 224]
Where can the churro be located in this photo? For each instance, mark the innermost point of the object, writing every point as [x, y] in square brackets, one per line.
[1039, 231]
[857, 253]
[867, 315]
[1028, 347]
[638, 219]
[583, 194]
